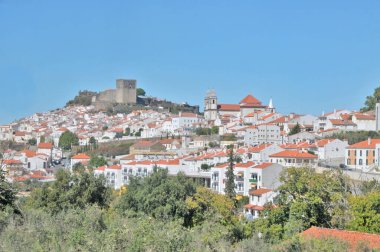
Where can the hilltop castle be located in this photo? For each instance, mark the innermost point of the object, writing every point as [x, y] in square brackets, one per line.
[125, 93]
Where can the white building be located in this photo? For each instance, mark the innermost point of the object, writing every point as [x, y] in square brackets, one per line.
[266, 133]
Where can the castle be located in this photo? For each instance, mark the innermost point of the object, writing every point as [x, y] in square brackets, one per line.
[125, 93]
[213, 110]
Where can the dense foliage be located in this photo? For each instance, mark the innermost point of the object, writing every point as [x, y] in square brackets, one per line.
[207, 131]
[71, 190]
[355, 136]
[84, 98]
[306, 199]
[67, 140]
[371, 100]
[296, 129]
[230, 176]
[140, 92]
[77, 212]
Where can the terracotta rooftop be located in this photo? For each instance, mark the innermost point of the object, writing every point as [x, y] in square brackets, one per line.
[367, 144]
[249, 99]
[353, 238]
[229, 107]
[80, 156]
[45, 146]
[260, 191]
[293, 154]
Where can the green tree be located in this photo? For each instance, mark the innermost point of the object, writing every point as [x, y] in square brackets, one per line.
[97, 161]
[42, 139]
[67, 140]
[159, 195]
[71, 190]
[230, 176]
[7, 193]
[32, 141]
[140, 92]
[371, 100]
[215, 130]
[365, 212]
[306, 198]
[118, 135]
[205, 167]
[127, 131]
[296, 129]
[205, 204]
[367, 187]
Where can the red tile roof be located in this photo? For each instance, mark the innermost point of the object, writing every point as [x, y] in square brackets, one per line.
[341, 122]
[361, 116]
[293, 154]
[244, 165]
[258, 148]
[45, 146]
[29, 153]
[367, 144]
[229, 107]
[353, 238]
[260, 191]
[254, 207]
[114, 167]
[11, 162]
[81, 156]
[249, 99]
[263, 165]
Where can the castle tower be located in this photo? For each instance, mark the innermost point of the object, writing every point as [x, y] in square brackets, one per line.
[211, 106]
[126, 91]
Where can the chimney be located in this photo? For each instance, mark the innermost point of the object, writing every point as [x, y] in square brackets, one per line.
[369, 140]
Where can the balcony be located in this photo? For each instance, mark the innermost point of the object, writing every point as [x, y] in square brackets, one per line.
[253, 180]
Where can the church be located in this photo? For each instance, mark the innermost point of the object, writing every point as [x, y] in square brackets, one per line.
[248, 105]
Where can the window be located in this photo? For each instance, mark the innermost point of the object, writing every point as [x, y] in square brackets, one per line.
[366, 161]
[360, 161]
[348, 161]
[360, 153]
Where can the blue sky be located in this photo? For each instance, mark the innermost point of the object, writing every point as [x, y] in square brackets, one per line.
[309, 56]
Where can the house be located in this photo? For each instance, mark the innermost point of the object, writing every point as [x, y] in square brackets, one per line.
[302, 137]
[249, 176]
[364, 121]
[355, 240]
[257, 200]
[363, 155]
[6, 133]
[112, 174]
[294, 158]
[185, 120]
[261, 153]
[79, 158]
[341, 124]
[265, 133]
[45, 148]
[330, 150]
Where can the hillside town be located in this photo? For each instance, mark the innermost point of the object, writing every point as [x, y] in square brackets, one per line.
[263, 140]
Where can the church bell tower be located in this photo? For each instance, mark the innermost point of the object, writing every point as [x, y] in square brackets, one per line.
[211, 106]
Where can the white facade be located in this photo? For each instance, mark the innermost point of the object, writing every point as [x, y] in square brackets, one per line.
[267, 133]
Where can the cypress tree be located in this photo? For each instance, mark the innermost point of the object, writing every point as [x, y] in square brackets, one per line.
[230, 176]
